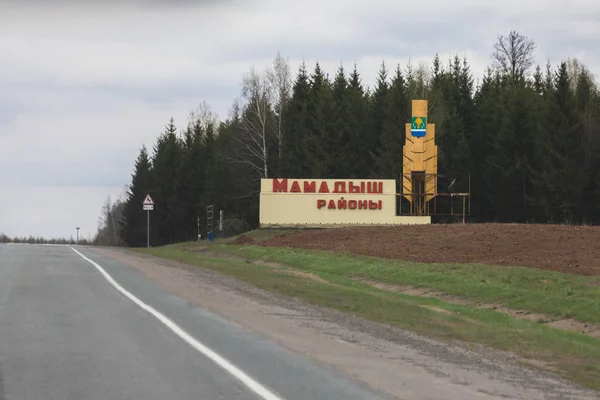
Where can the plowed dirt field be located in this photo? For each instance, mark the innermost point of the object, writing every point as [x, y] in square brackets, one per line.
[570, 249]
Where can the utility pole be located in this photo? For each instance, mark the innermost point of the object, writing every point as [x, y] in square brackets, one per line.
[77, 235]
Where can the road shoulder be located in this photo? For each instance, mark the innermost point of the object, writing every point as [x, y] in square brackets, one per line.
[385, 358]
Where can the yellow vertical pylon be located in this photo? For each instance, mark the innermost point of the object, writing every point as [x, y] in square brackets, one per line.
[419, 156]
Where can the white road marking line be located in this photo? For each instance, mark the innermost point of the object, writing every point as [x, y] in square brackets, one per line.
[253, 385]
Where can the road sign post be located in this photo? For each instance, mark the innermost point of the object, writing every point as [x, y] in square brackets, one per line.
[148, 205]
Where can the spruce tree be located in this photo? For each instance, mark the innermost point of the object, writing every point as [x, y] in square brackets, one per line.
[338, 142]
[190, 184]
[235, 183]
[397, 113]
[512, 155]
[362, 141]
[451, 136]
[437, 112]
[562, 177]
[169, 208]
[378, 113]
[133, 224]
[488, 118]
[294, 163]
[587, 97]
[318, 127]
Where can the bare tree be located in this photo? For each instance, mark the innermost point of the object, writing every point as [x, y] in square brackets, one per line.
[256, 112]
[513, 55]
[260, 112]
[203, 116]
[420, 85]
[108, 223]
[576, 71]
[105, 223]
[418, 80]
[280, 85]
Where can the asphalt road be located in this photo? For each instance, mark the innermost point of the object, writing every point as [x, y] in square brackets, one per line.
[69, 331]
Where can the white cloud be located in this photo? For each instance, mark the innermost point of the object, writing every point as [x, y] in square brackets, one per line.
[83, 86]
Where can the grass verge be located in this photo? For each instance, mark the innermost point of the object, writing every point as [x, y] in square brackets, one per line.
[570, 354]
[552, 293]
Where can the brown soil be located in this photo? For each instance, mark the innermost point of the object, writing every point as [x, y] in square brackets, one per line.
[243, 240]
[570, 249]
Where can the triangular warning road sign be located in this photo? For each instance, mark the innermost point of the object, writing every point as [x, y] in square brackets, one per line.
[148, 201]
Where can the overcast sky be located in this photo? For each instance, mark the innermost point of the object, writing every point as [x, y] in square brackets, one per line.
[83, 85]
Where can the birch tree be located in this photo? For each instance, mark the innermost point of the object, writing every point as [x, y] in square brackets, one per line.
[202, 117]
[280, 84]
[255, 125]
[261, 108]
[108, 223]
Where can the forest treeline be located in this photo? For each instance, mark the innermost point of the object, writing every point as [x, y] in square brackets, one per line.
[41, 240]
[527, 136]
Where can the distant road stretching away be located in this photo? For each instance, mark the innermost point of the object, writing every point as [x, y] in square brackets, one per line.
[72, 327]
